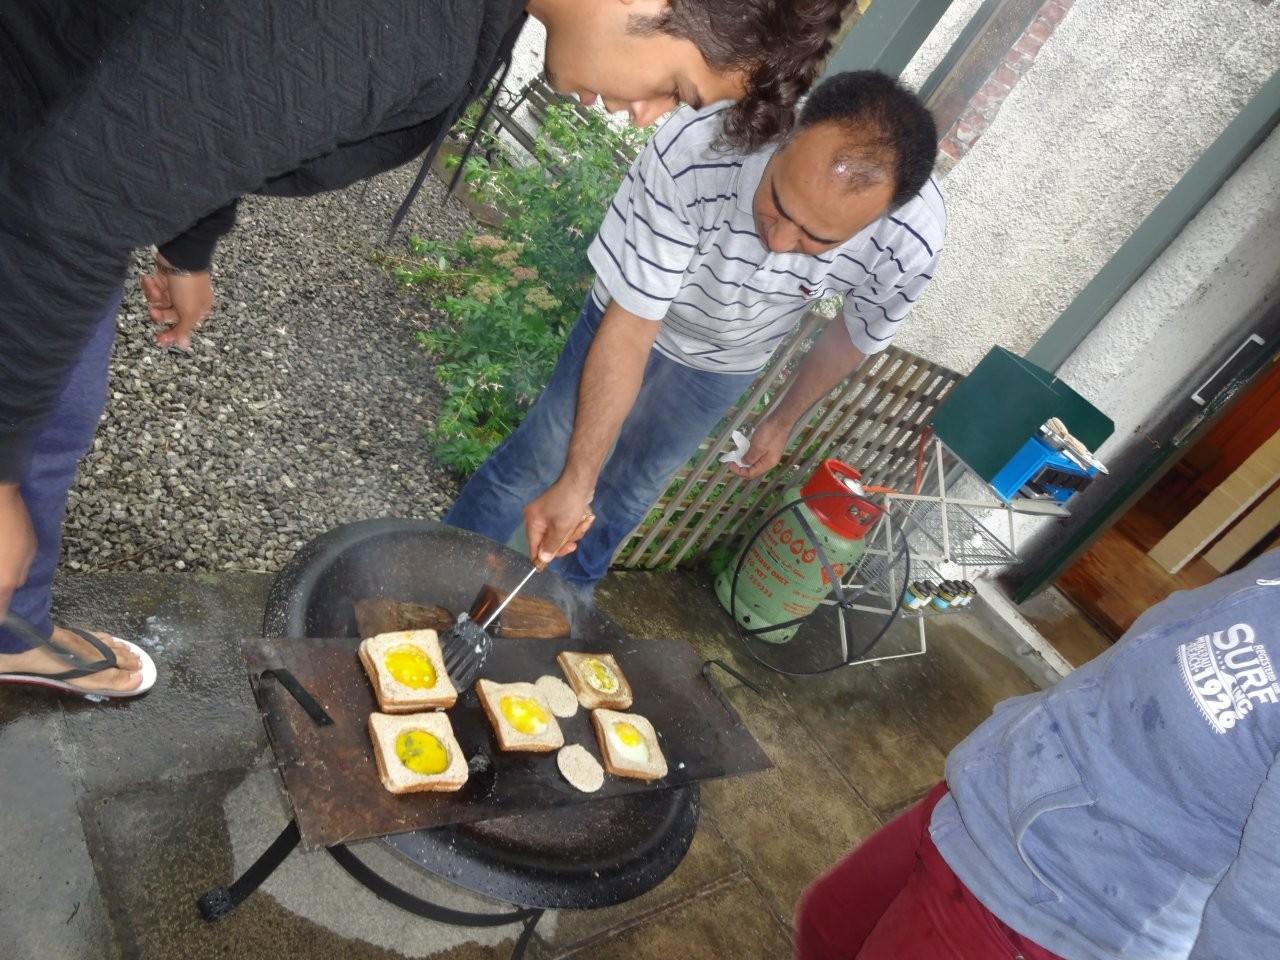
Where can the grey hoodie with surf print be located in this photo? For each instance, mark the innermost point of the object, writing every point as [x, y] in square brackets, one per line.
[1133, 810]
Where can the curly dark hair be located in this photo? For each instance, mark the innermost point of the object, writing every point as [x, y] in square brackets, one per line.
[887, 126]
[779, 44]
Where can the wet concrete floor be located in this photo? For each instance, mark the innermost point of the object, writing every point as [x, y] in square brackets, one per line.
[115, 817]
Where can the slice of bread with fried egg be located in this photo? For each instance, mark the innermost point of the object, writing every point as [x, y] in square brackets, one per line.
[521, 717]
[407, 671]
[417, 752]
[629, 745]
[597, 680]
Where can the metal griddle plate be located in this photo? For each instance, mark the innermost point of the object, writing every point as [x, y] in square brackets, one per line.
[332, 778]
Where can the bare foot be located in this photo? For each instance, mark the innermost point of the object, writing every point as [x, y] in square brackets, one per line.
[43, 661]
[126, 659]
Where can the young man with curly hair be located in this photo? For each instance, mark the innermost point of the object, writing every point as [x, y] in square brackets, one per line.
[125, 123]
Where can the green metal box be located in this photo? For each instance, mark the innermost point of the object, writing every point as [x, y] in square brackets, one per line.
[991, 413]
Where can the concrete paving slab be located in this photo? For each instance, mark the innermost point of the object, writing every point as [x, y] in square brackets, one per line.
[788, 824]
[49, 901]
[883, 753]
[1064, 625]
[708, 862]
[158, 848]
[954, 687]
[853, 748]
[312, 886]
[682, 604]
[200, 715]
[19, 703]
[730, 921]
[1004, 619]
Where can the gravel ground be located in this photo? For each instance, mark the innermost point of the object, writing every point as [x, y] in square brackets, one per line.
[303, 404]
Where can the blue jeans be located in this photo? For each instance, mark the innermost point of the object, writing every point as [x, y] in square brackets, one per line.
[66, 437]
[675, 410]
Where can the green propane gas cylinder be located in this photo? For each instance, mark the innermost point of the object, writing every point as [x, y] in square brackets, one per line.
[782, 578]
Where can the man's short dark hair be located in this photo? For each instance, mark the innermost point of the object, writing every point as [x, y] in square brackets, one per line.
[888, 129]
[780, 45]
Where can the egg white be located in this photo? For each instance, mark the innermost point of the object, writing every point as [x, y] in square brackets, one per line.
[637, 753]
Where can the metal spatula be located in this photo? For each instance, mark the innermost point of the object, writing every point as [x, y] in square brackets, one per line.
[466, 644]
[466, 647]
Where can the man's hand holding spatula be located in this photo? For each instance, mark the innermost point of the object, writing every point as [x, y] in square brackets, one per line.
[561, 516]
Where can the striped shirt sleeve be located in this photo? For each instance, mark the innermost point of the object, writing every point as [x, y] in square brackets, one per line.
[647, 240]
[875, 307]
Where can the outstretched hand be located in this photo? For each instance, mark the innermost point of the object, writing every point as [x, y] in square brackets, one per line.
[768, 443]
[178, 302]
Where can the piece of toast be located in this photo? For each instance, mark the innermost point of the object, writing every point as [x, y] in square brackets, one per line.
[375, 615]
[524, 618]
[653, 767]
[509, 738]
[591, 697]
[394, 696]
[384, 729]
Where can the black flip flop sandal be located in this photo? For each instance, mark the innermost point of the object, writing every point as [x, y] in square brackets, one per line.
[82, 668]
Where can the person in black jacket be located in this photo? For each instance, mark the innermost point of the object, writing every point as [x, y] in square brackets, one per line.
[125, 123]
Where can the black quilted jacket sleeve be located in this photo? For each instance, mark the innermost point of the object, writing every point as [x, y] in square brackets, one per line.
[192, 105]
[193, 248]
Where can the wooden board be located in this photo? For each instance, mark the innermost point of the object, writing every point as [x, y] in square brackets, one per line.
[1219, 510]
[1115, 581]
[1252, 529]
[332, 779]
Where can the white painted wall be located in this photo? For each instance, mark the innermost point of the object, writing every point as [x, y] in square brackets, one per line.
[1122, 99]
[939, 41]
[1206, 288]
[1220, 270]
[527, 57]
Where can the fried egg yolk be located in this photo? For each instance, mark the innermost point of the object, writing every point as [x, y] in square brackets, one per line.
[524, 714]
[629, 742]
[411, 666]
[421, 752]
[599, 675]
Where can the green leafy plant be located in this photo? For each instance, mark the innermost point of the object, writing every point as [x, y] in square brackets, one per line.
[511, 295]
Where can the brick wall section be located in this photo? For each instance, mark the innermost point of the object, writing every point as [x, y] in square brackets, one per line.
[984, 106]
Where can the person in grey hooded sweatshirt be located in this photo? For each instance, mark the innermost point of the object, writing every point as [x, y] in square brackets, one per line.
[1130, 811]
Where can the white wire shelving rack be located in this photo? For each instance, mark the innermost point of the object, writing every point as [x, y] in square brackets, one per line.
[939, 529]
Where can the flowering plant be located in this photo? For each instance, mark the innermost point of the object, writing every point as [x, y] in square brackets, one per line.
[511, 296]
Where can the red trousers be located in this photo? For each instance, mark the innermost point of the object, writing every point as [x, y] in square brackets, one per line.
[895, 898]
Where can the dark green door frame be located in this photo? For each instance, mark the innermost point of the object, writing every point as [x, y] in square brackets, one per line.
[887, 36]
[1198, 185]
[1143, 478]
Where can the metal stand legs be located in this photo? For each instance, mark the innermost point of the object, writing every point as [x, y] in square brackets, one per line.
[220, 901]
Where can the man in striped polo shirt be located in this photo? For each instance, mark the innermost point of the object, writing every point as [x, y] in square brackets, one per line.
[705, 261]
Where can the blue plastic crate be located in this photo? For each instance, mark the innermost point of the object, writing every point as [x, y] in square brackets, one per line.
[1033, 457]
